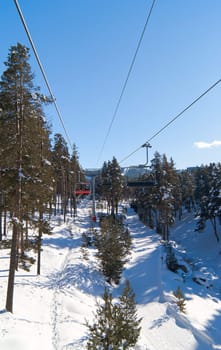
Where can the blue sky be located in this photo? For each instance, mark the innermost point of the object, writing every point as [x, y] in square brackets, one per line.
[86, 48]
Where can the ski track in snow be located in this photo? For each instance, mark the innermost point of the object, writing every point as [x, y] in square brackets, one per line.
[71, 286]
[61, 292]
[56, 304]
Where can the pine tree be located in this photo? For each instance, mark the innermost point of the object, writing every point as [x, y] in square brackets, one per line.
[116, 325]
[201, 182]
[187, 189]
[116, 185]
[102, 334]
[210, 202]
[74, 172]
[113, 244]
[112, 184]
[128, 323]
[180, 300]
[166, 193]
[61, 165]
[21, 129]
[106, 183]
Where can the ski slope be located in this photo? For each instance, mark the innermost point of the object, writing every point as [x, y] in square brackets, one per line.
[50, 310]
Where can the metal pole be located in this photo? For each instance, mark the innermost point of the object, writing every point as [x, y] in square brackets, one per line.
[93, 197]
[147, 145]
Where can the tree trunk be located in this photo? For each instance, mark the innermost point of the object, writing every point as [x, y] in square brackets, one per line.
[0, 225]
[39, 243]
[64, 206]
[5, 223]
[213, 221]
[26, 234]
[12, 267]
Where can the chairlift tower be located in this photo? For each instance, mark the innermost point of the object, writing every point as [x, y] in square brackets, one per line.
[147, 145]
[149, 181]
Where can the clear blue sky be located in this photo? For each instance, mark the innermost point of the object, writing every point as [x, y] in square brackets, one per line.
[86, 48]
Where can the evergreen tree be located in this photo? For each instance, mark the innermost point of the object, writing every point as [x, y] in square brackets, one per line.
[201, 180]
[75, 170]
[21, 128]
[106, 183]
[116, 325]
[116, 185]
[166, 194]
[214, 198]
[181, 303]
[112, 184]
[113, 243]
[102, 334]
[187, 187]
[61, 165]
[210, 202]
[128, 322]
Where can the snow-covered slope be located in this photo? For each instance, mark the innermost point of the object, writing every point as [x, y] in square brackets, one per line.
[50, 310]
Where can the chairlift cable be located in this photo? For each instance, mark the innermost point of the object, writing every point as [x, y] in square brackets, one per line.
[126, 80]
[42, 70]
[173, 119]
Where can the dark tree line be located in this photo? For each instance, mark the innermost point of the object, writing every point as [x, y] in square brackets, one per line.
[33, 174]
[196, 189]
[158, 204]
[208, 196]
[110, 185]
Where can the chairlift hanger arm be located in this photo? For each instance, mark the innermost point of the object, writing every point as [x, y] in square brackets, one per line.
[147, 145]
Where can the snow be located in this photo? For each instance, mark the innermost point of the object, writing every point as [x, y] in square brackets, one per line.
[50, 310]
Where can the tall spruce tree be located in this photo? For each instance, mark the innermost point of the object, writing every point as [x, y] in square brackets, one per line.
[210, 202]
[201, 180]
[112, 184]
[106, 183]
[167, 195]
[44, 187]
[75, 170]
[113, 242]
[128, 322]
[21, 127]
[214, 200]
[116, 185]
[61, 165]
[116, 325]
[187, 189]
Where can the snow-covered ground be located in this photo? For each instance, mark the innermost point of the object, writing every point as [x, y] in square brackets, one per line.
[50, 310]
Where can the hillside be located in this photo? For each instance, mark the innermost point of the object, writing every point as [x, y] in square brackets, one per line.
[50, 310]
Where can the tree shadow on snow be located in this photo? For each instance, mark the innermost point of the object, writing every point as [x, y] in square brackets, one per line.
[143, 275]
[62, 242]
[85, 278]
